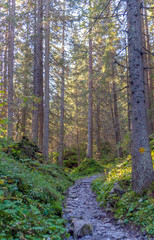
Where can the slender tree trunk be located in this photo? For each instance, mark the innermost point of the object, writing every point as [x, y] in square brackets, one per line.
[61, 142]
[145, 64]
[46, 108]
[40, 43]
[111, 103]
[77, 127]
[90, 99]
[35, 83]
[38, 76]
[5, 79]
[78, 146]
[142, 169]
[150, 75]
[128, 94]
[24, 118]
[98, 127]
[116, 121]
[10, 66]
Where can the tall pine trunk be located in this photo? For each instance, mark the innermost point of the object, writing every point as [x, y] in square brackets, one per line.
[98, 126]
[142, 169]
[10, 66]
[46, 108]
[145, 65]
[150, 74]
[40, 43]
[116, 122]
[61, 134]
[90, 98]
[38, 76]
[77, 125]
[35, 83]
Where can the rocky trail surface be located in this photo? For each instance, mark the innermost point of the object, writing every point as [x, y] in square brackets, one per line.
[87, 220]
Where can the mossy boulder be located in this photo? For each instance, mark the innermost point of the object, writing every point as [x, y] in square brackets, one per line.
[22, 150]
[82, 228]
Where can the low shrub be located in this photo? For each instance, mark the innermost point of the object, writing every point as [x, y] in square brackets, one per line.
[87, 167]
[31, 196]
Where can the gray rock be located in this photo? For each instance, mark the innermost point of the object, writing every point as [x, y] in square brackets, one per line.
[117, 189]
[82, 228]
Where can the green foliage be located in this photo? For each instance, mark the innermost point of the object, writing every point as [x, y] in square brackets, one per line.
[130, 207]
[22, 150]
[70, 158]
[31, 195]
[88, 167]
[105, 148]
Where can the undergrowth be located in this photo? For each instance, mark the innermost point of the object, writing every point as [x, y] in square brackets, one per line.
[31, 196]
[128, 206]
[87, 167]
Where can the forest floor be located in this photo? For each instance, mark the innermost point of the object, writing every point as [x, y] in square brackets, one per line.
[82, 208]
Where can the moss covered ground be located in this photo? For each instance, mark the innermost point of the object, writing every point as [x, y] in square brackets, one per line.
[87, 168]
[31, 194]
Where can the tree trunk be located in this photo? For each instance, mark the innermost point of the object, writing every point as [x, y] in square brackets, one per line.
[142, 169]
[98, 127]
[35, 83]
[150, 75]
[145, 65]
[116, 121]
[5, 80]
[38, 76]
[46, 108]
[61, 142]
[128, 96]
[10, 66]
[77, 127]
[40, 43]
[24, 118]
[90, 99]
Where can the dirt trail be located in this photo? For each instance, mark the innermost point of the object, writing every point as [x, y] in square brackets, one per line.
[81, 204]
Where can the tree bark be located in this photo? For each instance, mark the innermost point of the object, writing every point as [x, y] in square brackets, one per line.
[90, 99]
[5, 79]
[116, 121]
[61, 140]
[40, 43]
[142, 169]
[128, 96]
[46, 108]
[98, 127]
[10, 66]
[38, 76]
[145, 65]
[35, 84]
[77, 126]
[150, 75]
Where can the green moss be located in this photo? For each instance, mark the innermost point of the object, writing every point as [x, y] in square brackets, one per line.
[23, 150]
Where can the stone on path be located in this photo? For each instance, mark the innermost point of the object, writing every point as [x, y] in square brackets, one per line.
[82, 228]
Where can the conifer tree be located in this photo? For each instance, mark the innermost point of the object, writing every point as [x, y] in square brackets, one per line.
[142, 169]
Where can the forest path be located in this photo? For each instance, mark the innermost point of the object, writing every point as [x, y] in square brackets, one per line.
[81, 206]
